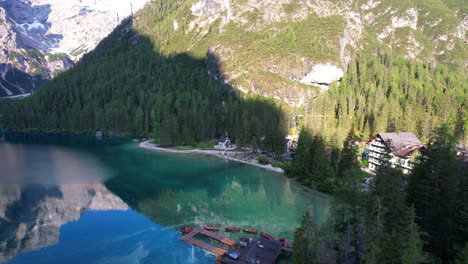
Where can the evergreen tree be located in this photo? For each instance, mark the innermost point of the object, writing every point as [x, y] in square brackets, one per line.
[432, 189]
[348, 157]
[305, 241]
[459, 221]
[351, 214]
[374, 231]
[311, 164]
[396, 237]
[462, 257]
[303, 155]
[413, 249]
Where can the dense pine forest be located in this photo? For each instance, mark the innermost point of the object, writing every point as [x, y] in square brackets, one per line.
[127, 88]
[416, 218]
[383, 92]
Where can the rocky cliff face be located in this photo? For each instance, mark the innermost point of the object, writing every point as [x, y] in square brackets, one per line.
[41, 38]
[281, 48]
[31, 216]
[380, 19]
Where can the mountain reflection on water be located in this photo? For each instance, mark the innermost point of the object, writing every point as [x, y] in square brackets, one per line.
[65, 200]
[43, 188]
[31, 215]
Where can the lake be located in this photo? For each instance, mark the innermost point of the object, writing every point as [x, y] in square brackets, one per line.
[66, 199]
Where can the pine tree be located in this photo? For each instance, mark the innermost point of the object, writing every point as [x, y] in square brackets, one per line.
[459, 220]
[432, 189]
[301, 163]
[462, 257]
[374, 231]
[319, 162]
[348, 157]
[396, 238]
[385, 245]
[305, 241]
[413, 249]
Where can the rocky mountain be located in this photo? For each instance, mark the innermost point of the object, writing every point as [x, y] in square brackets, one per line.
[41, 38]
[279, 48]
[262, 46]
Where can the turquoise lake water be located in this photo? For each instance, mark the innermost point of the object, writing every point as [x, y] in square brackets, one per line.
[72, 200]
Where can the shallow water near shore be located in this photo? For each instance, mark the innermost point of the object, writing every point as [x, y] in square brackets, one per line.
[102, 202]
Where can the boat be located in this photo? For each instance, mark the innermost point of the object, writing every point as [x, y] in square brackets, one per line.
[249, 230]
[212, 228]
[185, 230]
[265, 235]
[234, 256]
[232, 228]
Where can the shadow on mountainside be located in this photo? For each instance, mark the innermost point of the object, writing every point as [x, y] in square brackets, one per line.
[127, 87]
[16, 82]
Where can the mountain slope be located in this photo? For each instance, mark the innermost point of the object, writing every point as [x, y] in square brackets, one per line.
[151, 76]
[277, 47]
[41, 38]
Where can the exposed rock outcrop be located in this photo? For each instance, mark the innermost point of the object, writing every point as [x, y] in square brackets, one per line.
[41, 38]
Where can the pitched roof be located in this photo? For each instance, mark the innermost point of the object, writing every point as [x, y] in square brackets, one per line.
[223, 139]
[402, 143]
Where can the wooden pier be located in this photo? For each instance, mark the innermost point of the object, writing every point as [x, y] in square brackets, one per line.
[190, 238]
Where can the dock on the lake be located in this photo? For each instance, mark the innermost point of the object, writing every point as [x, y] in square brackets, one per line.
[190, 238]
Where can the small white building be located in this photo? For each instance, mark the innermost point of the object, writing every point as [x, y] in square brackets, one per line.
[291, 143]
[224, 143]
[403, 147]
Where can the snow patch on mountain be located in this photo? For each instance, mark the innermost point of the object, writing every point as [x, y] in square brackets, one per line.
[323, 74]
[82, 24]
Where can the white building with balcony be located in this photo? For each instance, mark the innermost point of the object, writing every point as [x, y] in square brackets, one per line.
[402, 147]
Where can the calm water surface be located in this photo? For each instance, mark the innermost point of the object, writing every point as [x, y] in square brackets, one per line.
[84, 201]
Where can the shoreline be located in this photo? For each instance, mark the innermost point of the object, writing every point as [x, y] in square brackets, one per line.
[217, 153]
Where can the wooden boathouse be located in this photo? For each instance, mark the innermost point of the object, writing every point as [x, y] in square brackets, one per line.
[247, 250]
[190, 238]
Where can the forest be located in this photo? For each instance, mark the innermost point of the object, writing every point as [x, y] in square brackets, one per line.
[416, 218]
[383, 92]
[125, 87]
